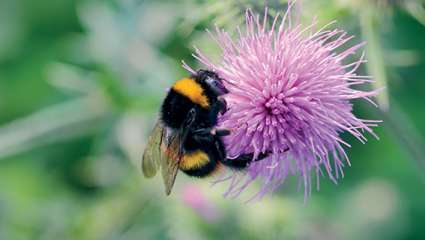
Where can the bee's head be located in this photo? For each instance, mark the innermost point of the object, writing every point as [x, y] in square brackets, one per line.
[211, 81]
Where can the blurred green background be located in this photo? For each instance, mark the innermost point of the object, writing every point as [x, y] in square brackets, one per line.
[80, 84]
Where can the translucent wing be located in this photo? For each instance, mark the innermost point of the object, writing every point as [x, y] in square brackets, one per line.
[170, 160]
[151, 160]
[163, 150]
[173, 150]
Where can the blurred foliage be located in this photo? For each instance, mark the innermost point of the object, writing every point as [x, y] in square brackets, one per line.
[80, 84]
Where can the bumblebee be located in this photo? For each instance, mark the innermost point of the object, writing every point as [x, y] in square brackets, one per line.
[186, 137]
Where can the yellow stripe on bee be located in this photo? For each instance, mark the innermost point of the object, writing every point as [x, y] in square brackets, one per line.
[191, 89]
[193, 160]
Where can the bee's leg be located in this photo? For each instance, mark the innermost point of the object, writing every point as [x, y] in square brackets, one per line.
[219, 132]
[243, 160]
[187, 125]
[203, 135]
[190, 118]
[222, 105]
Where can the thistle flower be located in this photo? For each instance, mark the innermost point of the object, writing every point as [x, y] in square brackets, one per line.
[289, 96]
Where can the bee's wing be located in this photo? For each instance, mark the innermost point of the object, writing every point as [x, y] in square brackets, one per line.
[174, 151]
[170, 160]
[152, 156]
[163, 150]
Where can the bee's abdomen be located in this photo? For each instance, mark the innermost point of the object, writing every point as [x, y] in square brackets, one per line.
[198, 164]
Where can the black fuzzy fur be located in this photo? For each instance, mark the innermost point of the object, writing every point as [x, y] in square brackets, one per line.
[174, 111]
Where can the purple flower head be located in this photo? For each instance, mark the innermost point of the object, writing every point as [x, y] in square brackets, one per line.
[289, 95]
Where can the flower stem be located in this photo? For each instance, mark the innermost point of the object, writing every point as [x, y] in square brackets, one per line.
[375, 65]
[55, 123]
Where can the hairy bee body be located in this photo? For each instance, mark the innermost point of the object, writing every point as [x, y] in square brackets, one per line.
[186, 137]
[200, 156]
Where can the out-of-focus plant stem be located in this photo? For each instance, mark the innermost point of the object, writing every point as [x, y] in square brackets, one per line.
[417, 10]
[369, 25]
[53, 124]
[395, 120]
[405, 133]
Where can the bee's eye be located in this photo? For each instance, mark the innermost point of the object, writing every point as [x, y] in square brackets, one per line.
[216, 85]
